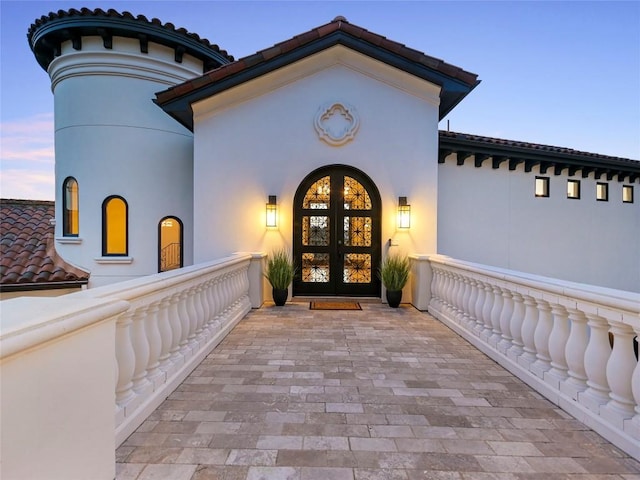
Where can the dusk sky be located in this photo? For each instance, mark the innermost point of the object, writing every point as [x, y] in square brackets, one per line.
[557, 73]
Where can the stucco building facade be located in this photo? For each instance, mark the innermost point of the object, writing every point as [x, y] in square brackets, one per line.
[169, 141]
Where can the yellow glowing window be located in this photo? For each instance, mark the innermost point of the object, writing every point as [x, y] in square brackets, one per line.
[170, 254]
[573, 189]
[542, 186]
[70, 211]
[114, 240]
[627, 193]
[602, 192]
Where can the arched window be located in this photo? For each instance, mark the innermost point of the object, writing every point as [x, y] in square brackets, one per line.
[70, 212]
[115, 226]
[169, 244]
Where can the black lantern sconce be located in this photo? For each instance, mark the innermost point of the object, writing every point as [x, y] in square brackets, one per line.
[272, 212]
[404, 213]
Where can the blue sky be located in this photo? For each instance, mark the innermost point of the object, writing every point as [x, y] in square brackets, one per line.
[557, 73]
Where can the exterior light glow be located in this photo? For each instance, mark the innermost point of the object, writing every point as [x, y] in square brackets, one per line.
[272, 212]
[404, 213]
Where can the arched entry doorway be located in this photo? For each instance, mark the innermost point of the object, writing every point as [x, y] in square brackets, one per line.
[336, 233]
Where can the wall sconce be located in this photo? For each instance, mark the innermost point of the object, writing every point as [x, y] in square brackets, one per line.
[404, 213]
[272, 212]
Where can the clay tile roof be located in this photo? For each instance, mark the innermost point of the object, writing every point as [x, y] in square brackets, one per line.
[27, 251]
[530, 146]
[456, 141]
[362, 39]
[62, 25]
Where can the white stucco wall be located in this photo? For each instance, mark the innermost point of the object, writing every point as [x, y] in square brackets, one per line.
[258, 139]
[492, 217]
[114, 140]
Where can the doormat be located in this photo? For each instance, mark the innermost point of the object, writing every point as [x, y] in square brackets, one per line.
[334, 306]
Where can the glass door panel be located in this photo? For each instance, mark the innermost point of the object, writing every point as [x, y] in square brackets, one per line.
[337, 234]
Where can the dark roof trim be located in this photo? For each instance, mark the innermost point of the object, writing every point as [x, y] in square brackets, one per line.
[455, 82]
[47, 33]
[531, 154]
[25, 287]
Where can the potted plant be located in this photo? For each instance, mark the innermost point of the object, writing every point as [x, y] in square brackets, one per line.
[280, 273]
[394, 273]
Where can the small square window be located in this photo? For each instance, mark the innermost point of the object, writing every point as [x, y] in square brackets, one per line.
[627, 193]
[602, 192]
[542, 186]
[573, 189]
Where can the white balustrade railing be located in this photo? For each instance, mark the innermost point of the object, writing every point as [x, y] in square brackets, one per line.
[173, 321]
[575, 344]
[142, 337]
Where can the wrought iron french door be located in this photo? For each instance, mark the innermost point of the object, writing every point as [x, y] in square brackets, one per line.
[337, 234]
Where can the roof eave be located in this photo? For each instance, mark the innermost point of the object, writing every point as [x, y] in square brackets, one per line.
[538, 155]
[44, 37]
[453, 90]
[24, 287]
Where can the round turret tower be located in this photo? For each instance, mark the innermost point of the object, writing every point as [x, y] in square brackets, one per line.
[123, 167]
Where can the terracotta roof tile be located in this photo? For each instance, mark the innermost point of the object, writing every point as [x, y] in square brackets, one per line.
[111, 13]
[270, 52]
[27, 250]
[529, 145]
[338, 24]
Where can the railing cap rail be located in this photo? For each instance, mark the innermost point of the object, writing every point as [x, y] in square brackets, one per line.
[28, 322]
[617, 299]
[150, 284]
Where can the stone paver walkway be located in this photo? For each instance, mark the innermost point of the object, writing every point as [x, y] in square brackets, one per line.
[354, 395]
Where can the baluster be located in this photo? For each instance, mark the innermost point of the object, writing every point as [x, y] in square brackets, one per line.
[529, 325]
[574, 353]
[176, 356]
[155, 343]
[217, 294]
[462, 293]
[479, 326]
[455, 287]
[453, 295]
[596, 357]
[166, 334]
[557, 344]
[185, 323]
[620, 367]
[140, 342]
[228, 294]
[223, 297]
[472, 297]
[486, 311]
[495, 316]
[436, 280]
[206, 308]
[126, 359]
[245, 284]
[211, 298]
[199, 313]
[505, 321]
[517, 320]
[235, 289]
[444, 297]
[192, 316]
[541, 339]
[446, 290]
